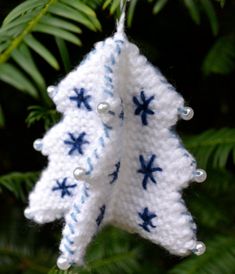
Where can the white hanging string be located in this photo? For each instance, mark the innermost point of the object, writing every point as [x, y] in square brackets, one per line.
[121, 21]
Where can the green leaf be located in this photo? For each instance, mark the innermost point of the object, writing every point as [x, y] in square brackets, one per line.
[58, 33]
[211, 14]
[212, 143]
[60, 23]
[70, 13]
[159, 6]
[193, 10]
[221, 57]
[131, 11]
[35, 45]
[23, 58]
[26, 6]
[19, 183]
[64, 53]
[79, 6]
[11, 75]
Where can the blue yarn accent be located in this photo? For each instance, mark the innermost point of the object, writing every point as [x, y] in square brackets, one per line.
[108, 69]
[147, 170]
[68, 250]
[81, 99]
[71, 228]
[101, 215]
[122, 115]
[73, 217]
[76, 143]
[77, 209]
[91, 168]
[115, 173]
[111, 112]
[112, 60]
[107, 129]
[147, 216]
[63, 187]
[109, 92]
[70, 242]
[108, 79]
[96, 154]
[143, 107]
[102, 141]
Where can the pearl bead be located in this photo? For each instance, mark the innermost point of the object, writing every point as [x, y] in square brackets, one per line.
[51, 91]
[200, 176]
[63, 263]
[199, 249]
[27, 213]
[37, 144]
[79, 173]
[103, 108]
[187, 113]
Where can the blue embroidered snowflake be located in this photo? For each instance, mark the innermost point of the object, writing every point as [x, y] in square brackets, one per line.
[101, 215]
[63, 187]
[76, 143]
[147, 217]
[81, 99]
[115, 173]
[143, 108]
[148, 169]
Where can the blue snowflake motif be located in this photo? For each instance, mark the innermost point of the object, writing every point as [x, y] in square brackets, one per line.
[76, 143]
[101, 215]
[147, 169]
[143, 107]
[115, 173]
[63, 187]
[80, 98]
[147, 217]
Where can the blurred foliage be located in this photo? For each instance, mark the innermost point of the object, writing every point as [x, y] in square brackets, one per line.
[193, 42]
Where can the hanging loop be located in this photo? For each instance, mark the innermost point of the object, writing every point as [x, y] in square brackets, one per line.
[121, 21]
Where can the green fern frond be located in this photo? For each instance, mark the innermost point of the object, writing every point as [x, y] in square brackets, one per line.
[221, 57]
[39, 113]
[57, 18]
[19, 184]
[213, 146]
[219, 259]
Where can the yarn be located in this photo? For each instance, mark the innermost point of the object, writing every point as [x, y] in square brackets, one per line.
[113, 158]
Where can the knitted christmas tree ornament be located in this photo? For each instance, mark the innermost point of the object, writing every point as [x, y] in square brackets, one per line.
[114, 158]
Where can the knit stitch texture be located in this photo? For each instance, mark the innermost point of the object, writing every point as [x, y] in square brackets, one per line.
[136, 166]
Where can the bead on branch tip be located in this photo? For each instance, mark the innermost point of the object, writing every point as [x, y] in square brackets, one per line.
[200, 175]
[199, 249]
[63, 263]
[103, 108]
[186, 113]
[37, 144]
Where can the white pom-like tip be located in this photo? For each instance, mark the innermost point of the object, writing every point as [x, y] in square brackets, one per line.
[27, 213]
[79, 173]
[199, 249]
[186, 113]
[63, 263]
[200, 175]
[103, 108]
[51, 91]
[37, 144]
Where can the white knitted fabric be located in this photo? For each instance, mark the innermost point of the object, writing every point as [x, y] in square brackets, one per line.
[136, 166]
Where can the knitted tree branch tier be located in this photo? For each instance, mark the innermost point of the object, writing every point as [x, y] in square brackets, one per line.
[114, 158]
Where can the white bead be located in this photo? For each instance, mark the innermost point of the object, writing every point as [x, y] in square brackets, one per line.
[51, 91]
[200, 175]
[103, 108]
[187, 113]
[79, 173]
[63, 263]
[199, 249]
[37, 144]
[27, 213]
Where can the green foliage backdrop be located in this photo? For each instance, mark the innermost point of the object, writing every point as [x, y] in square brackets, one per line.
[193, 43]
